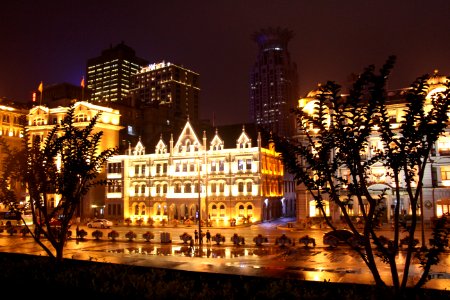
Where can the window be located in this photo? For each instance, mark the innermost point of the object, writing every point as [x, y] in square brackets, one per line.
[213, 187]
[221, 187]
[240, 164]
[136, 189]
[445, 174]
[185, 167]
[136, 170]
[177, 187]
[81, 118]
[221, 165]
[249, 187]
[213, 166]
[214, 210]
[143, 189]
[241, 187]
[249, 165]
[249, 210]
[165, 188]
[241, 210]
[188, 188]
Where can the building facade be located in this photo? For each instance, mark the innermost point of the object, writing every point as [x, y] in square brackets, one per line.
[273, 82]
[191, 177]
[11, 132]
[108, 76]
[42, 119]
[436, 181]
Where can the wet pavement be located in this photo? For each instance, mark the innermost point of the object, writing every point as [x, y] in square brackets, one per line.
[317, 263]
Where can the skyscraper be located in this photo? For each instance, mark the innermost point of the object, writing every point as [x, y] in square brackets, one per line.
[108, 75]
[273, 82]
[167, 94]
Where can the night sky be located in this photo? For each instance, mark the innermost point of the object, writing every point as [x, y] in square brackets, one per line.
[50, 41]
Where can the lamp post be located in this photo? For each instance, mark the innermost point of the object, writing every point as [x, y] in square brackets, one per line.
[199, 205]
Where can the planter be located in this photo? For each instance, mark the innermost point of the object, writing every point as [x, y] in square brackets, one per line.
[97, 234]
[148, 236]
[260, 239]
[185, 237]
[130, 235]
[113, 235]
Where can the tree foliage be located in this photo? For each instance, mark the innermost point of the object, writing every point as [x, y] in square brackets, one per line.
[336, 136]
[66, 163]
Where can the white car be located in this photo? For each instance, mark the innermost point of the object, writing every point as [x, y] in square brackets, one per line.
[100, 223]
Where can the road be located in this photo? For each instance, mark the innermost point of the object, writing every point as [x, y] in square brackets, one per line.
[317, 263]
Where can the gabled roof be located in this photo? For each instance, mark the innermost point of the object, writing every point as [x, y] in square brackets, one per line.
[187, 138]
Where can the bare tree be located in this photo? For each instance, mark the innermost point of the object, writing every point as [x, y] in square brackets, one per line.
[336, 137]
[66, 163]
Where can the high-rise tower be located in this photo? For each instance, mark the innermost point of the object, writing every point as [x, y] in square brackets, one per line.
[167, 95]
[108, 76]
[273, 82]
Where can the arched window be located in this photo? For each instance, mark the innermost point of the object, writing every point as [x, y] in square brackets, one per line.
[158, 188]
[136, 209]
[213, 187]
[158, 209]
[241, 210]
[143, 189]
[249, 210]
[214, 210]
[165, 188]
[222, 210]
[136, 189]
[221, 187]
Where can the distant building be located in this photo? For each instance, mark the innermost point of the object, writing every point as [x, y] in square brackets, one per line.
[166, 95]
[11, 132]
[436, 181]
[42, 119]
[197, 176]
[273, 82]
[108, 76]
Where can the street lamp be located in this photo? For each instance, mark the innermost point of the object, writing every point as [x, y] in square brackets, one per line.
[199, 205]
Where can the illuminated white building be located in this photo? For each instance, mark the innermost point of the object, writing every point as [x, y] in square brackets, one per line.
[179, 177]
[436, 182]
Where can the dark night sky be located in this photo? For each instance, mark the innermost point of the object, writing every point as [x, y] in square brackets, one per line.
[51, 41]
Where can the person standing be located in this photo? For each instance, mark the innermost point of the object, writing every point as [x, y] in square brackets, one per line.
[196, 236]
[208, 236]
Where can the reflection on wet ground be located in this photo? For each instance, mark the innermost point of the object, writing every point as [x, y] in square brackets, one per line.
[196, 251]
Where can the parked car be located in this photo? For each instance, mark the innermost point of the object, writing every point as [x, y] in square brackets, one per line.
[100, 223]
[335, 237]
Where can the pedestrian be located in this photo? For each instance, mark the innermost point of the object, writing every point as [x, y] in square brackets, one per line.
[201, 237]
[208, 236]
[196, 236]
[191, 244]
